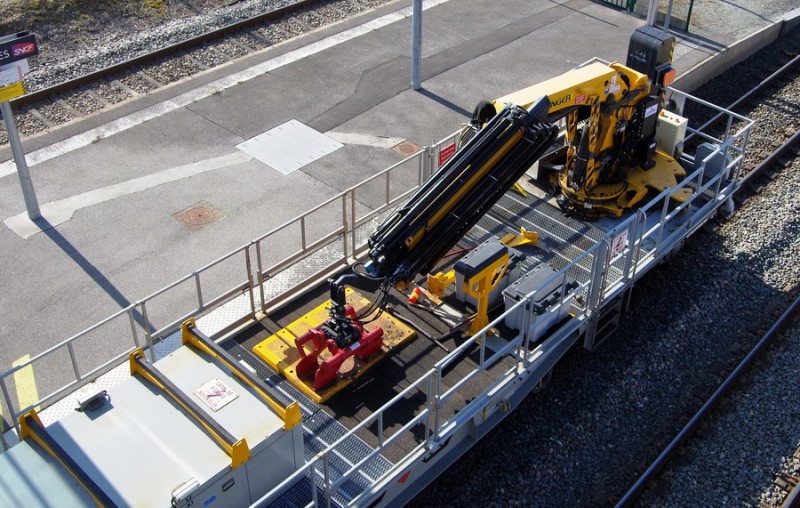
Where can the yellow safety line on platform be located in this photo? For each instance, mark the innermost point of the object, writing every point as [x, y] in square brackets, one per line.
[27, 394]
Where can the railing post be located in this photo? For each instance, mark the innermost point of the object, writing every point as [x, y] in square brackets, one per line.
[303, 241]
[261, 276]
[344, 225]
[313, 478]
[133, 326]
[11, 412]
[147, 335]
[380, 430]
[435, 402]
[429, 419]
[527, 315]
[198, 289]
[354, 243]
[427, 163]
[388, 188]
[74, 361]
[326, 481]
[249, 268]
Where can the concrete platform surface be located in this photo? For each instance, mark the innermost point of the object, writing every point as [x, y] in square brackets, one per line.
[114, 186]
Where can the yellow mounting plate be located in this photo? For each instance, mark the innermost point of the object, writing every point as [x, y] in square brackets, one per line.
[280, 352]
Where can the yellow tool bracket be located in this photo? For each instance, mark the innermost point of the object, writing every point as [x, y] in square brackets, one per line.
[237, 450]
[480, 286]
[290, 414]
[437, 284]
[30, 426]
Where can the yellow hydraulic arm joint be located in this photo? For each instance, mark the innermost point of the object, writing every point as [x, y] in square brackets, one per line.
[290, 414]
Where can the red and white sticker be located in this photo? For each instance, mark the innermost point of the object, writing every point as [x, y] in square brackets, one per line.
[580, 99]
[216, 394]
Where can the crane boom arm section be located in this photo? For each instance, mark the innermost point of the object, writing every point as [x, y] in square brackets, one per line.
[443, 209]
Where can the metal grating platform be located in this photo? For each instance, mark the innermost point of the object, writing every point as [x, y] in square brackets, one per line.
[320, 430]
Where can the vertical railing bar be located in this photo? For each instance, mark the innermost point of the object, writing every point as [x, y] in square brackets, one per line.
[314, 495]
[133, 327]
[354, 242]
[74, 361]
[199, 289]
[326, 481]
[482, 352]
[303, 243]
[728, 126]
[420, 170]
[11, 411]
[380, 430]
[147, 335]
[437, 390]
[249, 268]
[344, 225]
[527, 315]
[388, 188]
[662, 223]
[430, 408]
[261, 280]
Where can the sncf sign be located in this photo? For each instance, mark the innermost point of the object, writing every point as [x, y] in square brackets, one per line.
[17, 47]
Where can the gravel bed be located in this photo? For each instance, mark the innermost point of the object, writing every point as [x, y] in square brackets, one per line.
[717, 468]
[606, 415]
[126, 36]
[121, 46]
[112, 93]
[82, 102]
[123, 40]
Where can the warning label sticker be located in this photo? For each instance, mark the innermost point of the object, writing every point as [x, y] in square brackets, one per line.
[216, 394]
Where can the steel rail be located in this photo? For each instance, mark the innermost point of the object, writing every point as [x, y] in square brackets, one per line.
[771, 159]
[666, 455]
[162, 52]
[792, 500]
[749, 95]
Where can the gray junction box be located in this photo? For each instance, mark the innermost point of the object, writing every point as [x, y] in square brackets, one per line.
[543, 310]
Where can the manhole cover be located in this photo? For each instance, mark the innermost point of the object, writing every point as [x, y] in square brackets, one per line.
[406, 148]
[197, 216]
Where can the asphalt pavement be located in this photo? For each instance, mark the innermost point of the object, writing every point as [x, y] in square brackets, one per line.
[116, 188]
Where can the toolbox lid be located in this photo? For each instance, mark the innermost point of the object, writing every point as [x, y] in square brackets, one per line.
[484, 255]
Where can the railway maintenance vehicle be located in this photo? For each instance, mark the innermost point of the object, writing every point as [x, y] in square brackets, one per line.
[357, 369]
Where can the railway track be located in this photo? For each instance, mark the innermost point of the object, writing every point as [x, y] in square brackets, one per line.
[606, 415]
[703, 418]
[80, 86]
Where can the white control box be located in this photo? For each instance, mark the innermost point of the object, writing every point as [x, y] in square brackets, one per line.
[670, 133]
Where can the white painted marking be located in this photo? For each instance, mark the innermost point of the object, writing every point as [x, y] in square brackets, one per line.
[289, 146]
[68, 145]
[352, 138]
[57, 212]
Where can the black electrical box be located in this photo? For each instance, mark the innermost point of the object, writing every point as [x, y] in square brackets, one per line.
[649, 51]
